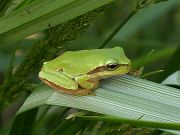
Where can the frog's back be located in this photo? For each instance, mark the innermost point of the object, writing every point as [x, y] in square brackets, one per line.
[80, 62]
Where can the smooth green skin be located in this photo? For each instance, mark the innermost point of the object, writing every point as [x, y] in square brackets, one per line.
[78, 70]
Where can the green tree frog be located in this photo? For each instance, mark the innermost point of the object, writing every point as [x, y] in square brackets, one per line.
[79, 72]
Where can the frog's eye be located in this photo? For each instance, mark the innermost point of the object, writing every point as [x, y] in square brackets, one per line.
[112, 66]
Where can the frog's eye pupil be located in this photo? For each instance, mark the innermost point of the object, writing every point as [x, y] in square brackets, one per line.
[112, 66]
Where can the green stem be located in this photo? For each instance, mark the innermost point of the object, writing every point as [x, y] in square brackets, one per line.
[141, 123]
[117, 29]
[151, 73]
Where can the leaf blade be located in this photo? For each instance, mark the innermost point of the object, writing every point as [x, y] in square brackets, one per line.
[125, 96]
[26, 25]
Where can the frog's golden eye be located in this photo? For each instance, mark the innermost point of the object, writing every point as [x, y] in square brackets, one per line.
[112, 66]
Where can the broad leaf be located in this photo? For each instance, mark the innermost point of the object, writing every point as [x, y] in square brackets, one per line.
[125, 96]
[173, 79]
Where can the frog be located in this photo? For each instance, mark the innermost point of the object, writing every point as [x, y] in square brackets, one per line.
[79, 72]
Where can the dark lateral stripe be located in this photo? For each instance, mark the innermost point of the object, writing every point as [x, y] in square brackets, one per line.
[103, 68]
[98, 69]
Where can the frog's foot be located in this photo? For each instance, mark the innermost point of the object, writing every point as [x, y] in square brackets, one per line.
[78, 92]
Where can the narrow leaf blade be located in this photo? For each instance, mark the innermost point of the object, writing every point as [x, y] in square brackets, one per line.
[32, 18]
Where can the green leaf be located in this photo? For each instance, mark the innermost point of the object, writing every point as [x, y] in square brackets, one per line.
[125, 96]
[157, 55]
[20, 127]
[173, 79]
[4, 5]
[33, 18]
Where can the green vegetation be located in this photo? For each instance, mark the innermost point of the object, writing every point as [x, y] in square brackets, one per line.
[35, 31]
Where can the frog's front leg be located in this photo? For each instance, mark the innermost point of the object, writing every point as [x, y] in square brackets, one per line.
[87, 84]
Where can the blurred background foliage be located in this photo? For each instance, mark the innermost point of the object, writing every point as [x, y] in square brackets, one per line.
[150, 39]
[156, 29]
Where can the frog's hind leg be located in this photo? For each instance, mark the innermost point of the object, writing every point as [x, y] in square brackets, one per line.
[62, 82]
[58, 81]
[78, 92]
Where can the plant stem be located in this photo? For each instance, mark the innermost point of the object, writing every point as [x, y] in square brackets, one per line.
[117, 29]
[140, 123]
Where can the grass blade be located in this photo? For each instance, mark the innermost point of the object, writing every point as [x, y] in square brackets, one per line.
[33, 18]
